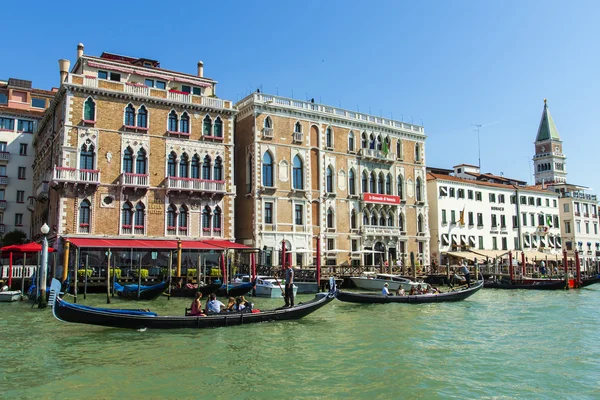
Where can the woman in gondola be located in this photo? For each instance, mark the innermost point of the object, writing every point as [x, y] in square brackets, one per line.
[197, 305]
[230, 304]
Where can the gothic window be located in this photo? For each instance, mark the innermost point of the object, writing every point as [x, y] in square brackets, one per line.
[127, 215]
[89, 110]
[141, 162]
[130, 115]
[218, 127]
[351, 182]
[87, 156]
[329, 180]
[351, 141]
[184, 123]
[298, 173]
[173, 121]
[218, 169]
[139, 215]
[172, 164]
[267, 170]
[184, 163]
[128, 160]
[142, 117]
[195, 167]
[207, 126]
[217, 219]
[206, 167]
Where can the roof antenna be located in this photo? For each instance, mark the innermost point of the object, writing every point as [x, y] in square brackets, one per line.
[478, 126]
[277, 90]
[292, 93]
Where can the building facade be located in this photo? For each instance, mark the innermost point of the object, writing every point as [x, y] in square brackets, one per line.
[308, 173]
[474, 211]
[130, 150]
[21, 108]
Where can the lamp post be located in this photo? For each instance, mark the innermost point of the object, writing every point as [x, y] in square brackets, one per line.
[44, 267]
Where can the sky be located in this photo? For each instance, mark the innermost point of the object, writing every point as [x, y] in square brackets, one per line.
[448, 65]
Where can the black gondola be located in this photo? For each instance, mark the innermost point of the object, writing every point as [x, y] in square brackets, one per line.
[369, 298]
[235, 290]
[589, 281]
[139, 319]
[191, 292]
[130, 292]
[540, 285]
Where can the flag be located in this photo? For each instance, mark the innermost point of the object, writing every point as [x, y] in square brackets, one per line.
[549, 220]
[461, 221]
[385, 149]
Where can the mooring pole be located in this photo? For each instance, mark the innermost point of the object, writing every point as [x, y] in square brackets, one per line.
[139, 276]
[85, 279]
[108, 277]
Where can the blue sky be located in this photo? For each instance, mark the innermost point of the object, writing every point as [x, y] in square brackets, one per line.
[446, 64]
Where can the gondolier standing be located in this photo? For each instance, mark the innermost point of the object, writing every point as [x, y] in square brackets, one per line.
[465, 270]
[289, 287]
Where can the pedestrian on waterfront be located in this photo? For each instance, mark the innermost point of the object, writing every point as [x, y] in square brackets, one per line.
[197, 305]
[213, 305]
[465, 270]
[289, 286]
[399, 265]
[385, 290]
[543, 267]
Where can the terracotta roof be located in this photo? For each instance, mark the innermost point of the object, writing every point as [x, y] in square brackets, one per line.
[20, 111]
[535, 188]
[44, 92]
[466, 165]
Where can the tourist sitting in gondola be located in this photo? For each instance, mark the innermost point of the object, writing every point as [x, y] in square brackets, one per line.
[413, 291]
[385, 290]
[213, 305]
[400, 291]
[197, 306]
[248, 305]
[230, 304]
[239, 305]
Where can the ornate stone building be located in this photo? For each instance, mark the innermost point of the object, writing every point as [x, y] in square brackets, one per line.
[309, 173]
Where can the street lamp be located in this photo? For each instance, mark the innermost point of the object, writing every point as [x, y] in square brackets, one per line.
[44, 267]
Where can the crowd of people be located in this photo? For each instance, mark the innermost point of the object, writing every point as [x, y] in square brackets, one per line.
[213, 305]
[424, 289]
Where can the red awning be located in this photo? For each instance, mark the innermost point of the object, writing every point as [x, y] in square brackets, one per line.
[225, 244]
[32, 247]
[197, 245]
[147, 244]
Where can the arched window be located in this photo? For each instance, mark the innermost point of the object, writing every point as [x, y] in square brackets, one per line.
[382, 221]
[142, 118]
[141, 162]
[351, 141]
[388, 184]
[391, 220]
[330, 217]
[218, 127]
[380, 186]
[351, 182]
[195, 167]
[401, 222]
[372, 141]
[364, 143]
[374, 219]
[298, 127]
[268, 122]
[207, 126]
[87, 157]
[206, 219]
[130, 115]
[373, 183]
[267, 170]
[365, 182]
[173, 121]
[329, 180]
[417, 152]
[206, 167]
[89, 110]
[184, 164]
[127, 215]
[139, 215]
[329, 137]
[171, 215]
[217, 219]
[400, 187]
[418, 190]
[84, 214]
[379, 143]
[399, 150]
[298, 173]
[420, 223]
[128, 160]
[365, 217]
[353, 219]
[184, 123]
[183, 218]
[172, 164]
[218, 169]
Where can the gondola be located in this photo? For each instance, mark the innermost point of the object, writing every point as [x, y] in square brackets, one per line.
[539, 285]
[191, 292]
[589, 281]
[130, 292]
[234, 291]
[140, 319]
[370, 298]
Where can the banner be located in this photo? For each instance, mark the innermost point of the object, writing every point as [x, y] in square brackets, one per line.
[381, 198]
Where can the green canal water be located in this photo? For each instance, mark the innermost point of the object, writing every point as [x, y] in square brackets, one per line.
[497, 344]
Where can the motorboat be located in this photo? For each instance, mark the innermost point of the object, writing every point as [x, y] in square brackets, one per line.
[267, 286]
[376, 282]
[7, 296]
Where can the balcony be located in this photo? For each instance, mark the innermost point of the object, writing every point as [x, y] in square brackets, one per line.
[4, 157]
[195, 185]
[297, 137]
[136, 181]
[140, 90]
[379, 155]
[2, 228]
[2, 204]
[381, 230]
[3, 180]
[41, 191]
[76, 176]
[268, 133]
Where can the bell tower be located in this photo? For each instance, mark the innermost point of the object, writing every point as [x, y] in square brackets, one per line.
[549, 161]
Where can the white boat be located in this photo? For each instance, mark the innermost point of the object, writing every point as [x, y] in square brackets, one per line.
[267, 286]
[376, 282]
[7, 296]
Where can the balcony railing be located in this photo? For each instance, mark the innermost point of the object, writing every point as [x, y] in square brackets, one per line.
[195, 185]
[267, 133]
[4, 155]
[144, 91]
[64, 174]
[381, 230]
[298, 137]
[134, 180]
[2, 204]
[378, 154]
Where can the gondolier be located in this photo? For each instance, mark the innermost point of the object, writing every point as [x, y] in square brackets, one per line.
[289, 287]
[465, 270]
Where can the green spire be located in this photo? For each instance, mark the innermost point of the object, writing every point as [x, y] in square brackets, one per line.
[547, 129]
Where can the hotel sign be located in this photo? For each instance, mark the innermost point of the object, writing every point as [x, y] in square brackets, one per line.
[381, 198]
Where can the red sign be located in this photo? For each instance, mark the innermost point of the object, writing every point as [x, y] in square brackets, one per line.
[381, 198]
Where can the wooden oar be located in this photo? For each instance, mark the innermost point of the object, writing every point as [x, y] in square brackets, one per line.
[282, 291]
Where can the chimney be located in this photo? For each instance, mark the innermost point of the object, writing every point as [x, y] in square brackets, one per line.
[63, 68]
[543, 184]
[200, 69]
[79, 50]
